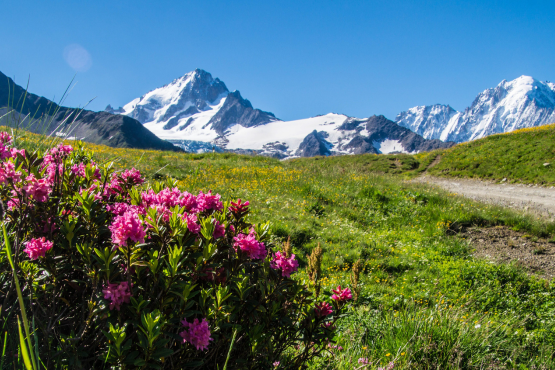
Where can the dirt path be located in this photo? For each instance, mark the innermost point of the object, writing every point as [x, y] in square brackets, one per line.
[530, 198]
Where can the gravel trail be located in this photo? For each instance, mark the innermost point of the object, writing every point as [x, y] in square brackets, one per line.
[530, 198]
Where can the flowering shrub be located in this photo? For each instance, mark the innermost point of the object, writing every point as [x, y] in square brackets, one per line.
[122, 275]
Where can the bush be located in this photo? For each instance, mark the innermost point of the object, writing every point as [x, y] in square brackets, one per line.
[117, 274]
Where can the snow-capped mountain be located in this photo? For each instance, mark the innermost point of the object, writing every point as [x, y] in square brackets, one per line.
[194, 107]
[523, 102]
[198, 113]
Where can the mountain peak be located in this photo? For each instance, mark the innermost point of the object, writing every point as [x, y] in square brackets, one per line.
[520, 103]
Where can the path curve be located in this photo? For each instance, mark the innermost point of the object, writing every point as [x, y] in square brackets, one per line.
[531, 198]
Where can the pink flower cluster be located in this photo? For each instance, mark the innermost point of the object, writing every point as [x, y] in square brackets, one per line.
[250, 246]
[197, 333]
[8, 173]
[78, 170]
[238, 207]
[36, 248]
[127, 227]
[219, 229]
[117, 294]
[363, 361]
[341, 295]
[323, 309]
[286, 265]
[132, 177]
[37, 188]
[5, 152]
[209, 202]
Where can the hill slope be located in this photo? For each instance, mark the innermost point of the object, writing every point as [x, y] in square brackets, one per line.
[40, 115]
[526, 155]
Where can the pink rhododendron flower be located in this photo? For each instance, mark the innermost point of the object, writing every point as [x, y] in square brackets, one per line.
[197, 333]
[38, 189]
[13, 204]
[192, 223]
[323, 309]
[238, 207]
[219, 229]
[341, 295]
[53, 170]
[8, 173]
[117, 294]
[250, 246]
[132, 176]
[286, 265]
[78, 170]
[5, 140]
[15, 152]
[36, 248]
[127, 227]
[61, 151]
[208, 202]
[189, 201]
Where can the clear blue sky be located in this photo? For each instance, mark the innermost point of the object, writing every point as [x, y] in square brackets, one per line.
[294, 58]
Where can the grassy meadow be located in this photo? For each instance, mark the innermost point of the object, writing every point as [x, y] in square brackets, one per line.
[424, 301]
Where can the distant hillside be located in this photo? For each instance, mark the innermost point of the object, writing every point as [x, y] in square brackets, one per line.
[40, 115]
[526, 155]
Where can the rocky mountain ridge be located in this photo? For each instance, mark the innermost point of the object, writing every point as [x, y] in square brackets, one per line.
[511, 105]
[198, 113]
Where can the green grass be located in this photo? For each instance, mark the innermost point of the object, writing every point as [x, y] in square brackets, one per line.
[518, 156]
[422, 291]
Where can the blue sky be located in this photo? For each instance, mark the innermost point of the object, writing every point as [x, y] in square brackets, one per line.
[294, 58]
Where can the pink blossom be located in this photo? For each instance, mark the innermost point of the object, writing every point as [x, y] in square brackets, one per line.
[323, 309]
[51, 171]
[249, 245]
[132, 176]
[13, 204]
[192, 223]
[78, 169]
[38, 189]
[8, 173]
[127, 227]
[36, 248]
[341, 295]
[197, 333]
[286, 265]
[5, 140]
[208, 202]
[219, 229]
[61, 151]
[117, 293]
[238, 207]
[363, 361]
[15, 152]
[276, 364]
[189, 201]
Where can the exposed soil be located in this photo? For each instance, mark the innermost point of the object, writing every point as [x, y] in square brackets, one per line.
[503, 245]
[530, 198]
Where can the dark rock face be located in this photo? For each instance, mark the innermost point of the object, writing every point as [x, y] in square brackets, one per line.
[361, 145]
[94, 127]
[314, 144]
[237, 110]
[380, 128]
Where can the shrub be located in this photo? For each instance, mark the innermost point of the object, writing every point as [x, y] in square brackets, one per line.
[120, 274]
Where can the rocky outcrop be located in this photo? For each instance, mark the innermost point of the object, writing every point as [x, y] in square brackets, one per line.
[314, 144]
[237, 110]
